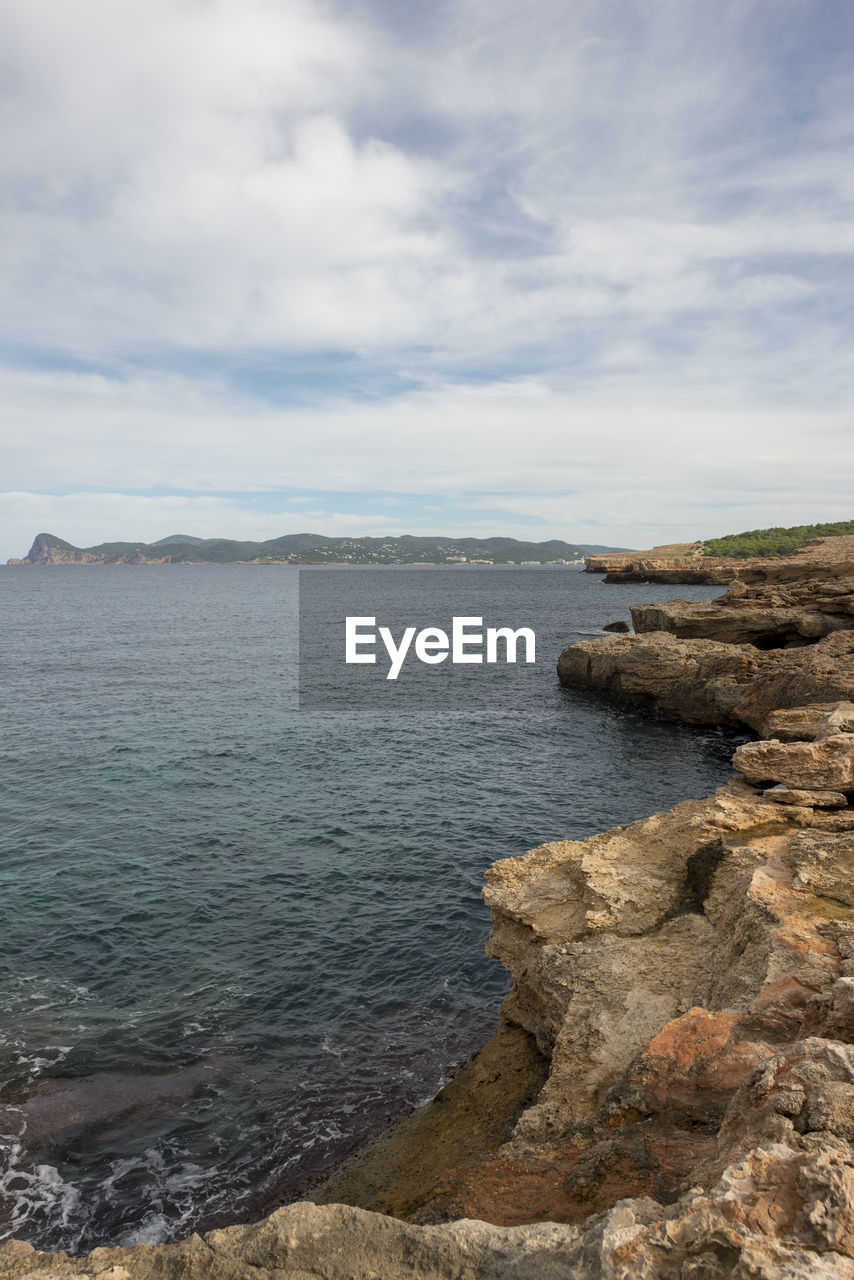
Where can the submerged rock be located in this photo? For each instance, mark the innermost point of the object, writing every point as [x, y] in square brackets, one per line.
[69, 1118]
[56, 1111]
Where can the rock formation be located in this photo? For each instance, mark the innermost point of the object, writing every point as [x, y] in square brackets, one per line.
[49, 550]
[769, 617]
[733, 660]
[686, 562]
[712, 681]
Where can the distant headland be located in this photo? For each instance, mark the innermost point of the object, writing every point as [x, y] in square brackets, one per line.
[312, 548]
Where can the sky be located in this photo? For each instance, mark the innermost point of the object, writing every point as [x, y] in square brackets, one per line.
[542, 268]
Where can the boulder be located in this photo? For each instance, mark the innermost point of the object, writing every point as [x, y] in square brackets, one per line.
[797, 724]
[826, 764]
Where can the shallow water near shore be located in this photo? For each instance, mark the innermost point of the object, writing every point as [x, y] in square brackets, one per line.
[253, 934]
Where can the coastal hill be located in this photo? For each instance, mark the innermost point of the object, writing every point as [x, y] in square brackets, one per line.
[309, 548]
[755, 556]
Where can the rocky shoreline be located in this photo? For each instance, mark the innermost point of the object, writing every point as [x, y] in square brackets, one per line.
[671, 1093]
[688, 563]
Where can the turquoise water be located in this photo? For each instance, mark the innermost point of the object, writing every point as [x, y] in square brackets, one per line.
[192, 871]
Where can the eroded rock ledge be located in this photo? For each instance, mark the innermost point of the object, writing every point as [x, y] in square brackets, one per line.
[734, 660]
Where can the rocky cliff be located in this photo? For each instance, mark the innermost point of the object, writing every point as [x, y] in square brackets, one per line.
[732, 660]
[47, 549]
[688, 981]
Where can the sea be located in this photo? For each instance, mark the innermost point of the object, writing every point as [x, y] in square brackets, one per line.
[240, 925]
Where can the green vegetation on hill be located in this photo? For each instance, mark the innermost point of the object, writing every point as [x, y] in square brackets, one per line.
[773, 542]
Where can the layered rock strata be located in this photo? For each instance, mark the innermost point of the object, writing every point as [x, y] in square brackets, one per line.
[768, 617]
[712, 681]
[734, 660]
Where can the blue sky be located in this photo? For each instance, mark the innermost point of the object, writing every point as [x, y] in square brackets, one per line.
[578, 270]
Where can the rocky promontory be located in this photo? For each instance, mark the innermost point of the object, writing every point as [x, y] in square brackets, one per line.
[766, 616]
[676, 1053]
[689, 563]
[732, 660]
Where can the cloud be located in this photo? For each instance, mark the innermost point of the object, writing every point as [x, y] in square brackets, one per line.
[552, 461]
[87, 519]
[227, 176]
[602, 248]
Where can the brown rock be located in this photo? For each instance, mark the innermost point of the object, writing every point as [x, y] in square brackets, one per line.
[830, 557]
[711, 682]
[827, 764]
[839, 720]
[766, 628]
[812, 799]
[795, 724]
[823, 864]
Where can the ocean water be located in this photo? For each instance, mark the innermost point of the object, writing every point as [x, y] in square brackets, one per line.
[248, 934]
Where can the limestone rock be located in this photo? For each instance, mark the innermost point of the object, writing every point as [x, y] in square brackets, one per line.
[334, 1242]
[839, 720]
[825, 764]
[712, 682]
[797, 724]
[801, 796]
[766, 627]
[829, 557]
[737, 1115]
[622, 628]
[823, 865]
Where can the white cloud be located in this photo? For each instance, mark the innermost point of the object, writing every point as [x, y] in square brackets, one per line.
[622, 463]
[225, 176]
[608, 248]
[87, 519]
